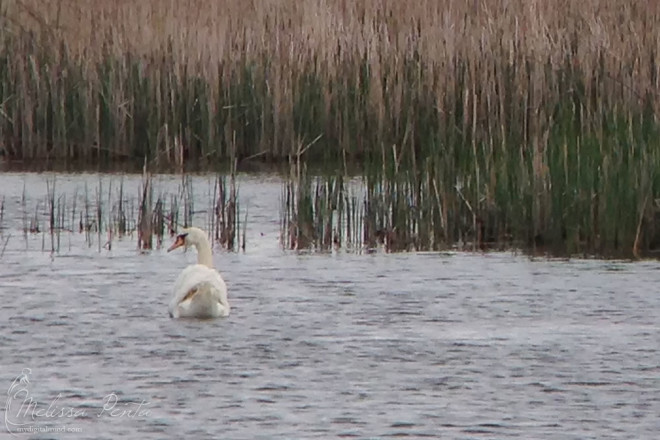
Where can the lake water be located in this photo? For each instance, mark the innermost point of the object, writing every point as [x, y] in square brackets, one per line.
[436, 345]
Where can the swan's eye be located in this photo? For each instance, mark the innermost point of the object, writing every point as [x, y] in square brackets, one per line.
[180, 241]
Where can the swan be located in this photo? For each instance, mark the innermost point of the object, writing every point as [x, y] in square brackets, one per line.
[199, 291]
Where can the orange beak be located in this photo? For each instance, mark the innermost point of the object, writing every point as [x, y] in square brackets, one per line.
[180, 241]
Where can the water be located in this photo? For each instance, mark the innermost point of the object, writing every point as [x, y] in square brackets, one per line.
[438, 345]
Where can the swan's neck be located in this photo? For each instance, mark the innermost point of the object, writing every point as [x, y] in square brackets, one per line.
[204, 255]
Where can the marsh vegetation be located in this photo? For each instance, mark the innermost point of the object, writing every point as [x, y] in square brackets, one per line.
[489, 124]
[107, 211]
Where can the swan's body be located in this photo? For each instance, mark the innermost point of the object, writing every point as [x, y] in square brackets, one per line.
[200, 291]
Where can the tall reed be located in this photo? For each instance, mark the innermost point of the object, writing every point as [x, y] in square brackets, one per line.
[225, 221]
[525, 122]
[319, 212]
[177, 81]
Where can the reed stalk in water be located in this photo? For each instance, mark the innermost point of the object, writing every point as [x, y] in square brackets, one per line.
[2, 214]
[145, 220]
[101, 211]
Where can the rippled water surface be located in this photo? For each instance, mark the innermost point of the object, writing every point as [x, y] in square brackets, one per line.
[439, 345]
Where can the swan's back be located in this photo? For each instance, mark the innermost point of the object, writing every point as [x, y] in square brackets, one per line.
[199, 292]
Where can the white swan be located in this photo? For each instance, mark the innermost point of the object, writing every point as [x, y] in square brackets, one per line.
[200, 291]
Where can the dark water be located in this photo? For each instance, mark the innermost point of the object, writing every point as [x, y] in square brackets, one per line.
[321, 346]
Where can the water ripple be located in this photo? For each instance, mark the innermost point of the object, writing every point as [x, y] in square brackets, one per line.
[429, 345]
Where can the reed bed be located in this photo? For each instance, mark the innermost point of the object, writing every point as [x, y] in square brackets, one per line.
[407, 211]
[106, 212]
[319, 212]
[193, 80]
[225, 221]
[508, 121]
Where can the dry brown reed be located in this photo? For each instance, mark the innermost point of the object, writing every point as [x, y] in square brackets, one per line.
[187, 79]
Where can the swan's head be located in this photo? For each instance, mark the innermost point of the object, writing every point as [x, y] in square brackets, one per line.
[188, 237]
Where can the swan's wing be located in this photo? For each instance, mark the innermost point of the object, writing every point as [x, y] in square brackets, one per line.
[195, 276]
[182, 280]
